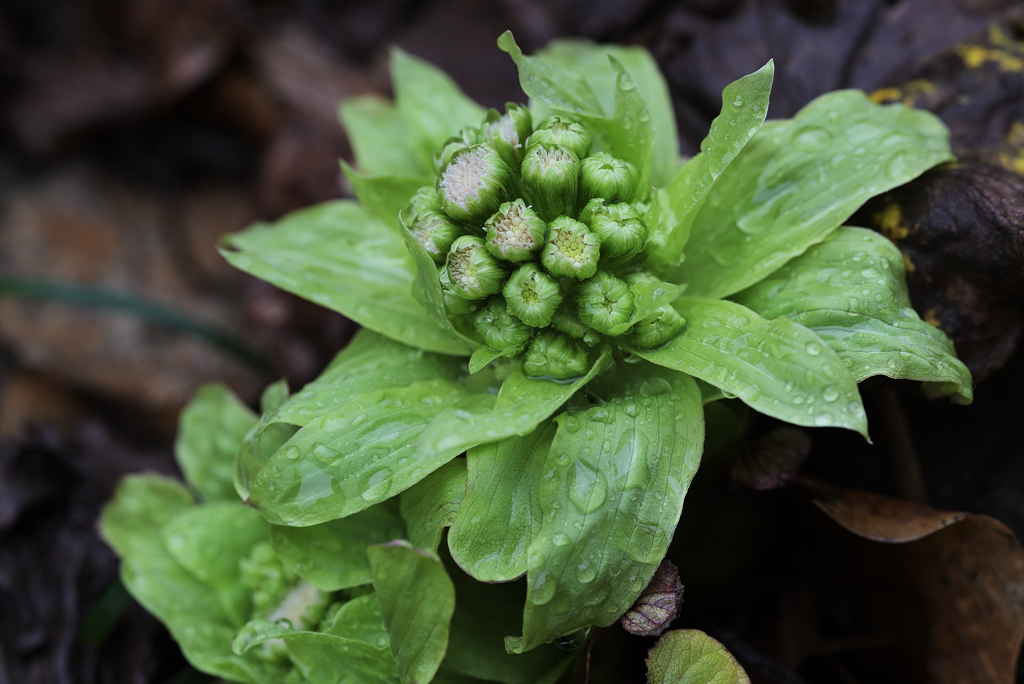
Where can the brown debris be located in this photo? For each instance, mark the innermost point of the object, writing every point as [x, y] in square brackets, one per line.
[658, 604]
[772, 461]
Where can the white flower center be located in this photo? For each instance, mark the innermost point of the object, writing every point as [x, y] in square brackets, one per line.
[462, 180]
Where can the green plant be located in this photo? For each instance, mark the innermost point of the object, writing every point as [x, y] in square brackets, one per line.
[564, 335]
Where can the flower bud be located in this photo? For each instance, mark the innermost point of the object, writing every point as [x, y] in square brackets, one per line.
[532, 295]
[424, 199]
[618, 224]
[507, 133]
[466, 138]
[555, 356]
[453, 303]
[474, 273]
[572, 251]
[515, 232]
[473, 184]
[436, 232]
[551, 176]
[561, 132]
[500, 329]
[605, 302]
[567, 320]
[602, 175]
[657, 329]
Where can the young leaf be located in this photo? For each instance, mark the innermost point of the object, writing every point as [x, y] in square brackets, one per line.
[212, 427]
[430, 103]
[360, 455]
[850, 290]
[552, 84]
[142, 505]
[777, 367]
[430, 505]
[610, 496]
[210, 541]
[332, 555]
[385, 196]
[744, 107]
[379, 139]
[338, 255]
[417, 600]
[689, 656]
[493, 528]
[797, 180]
[360, 619]
[591, 60]
[522, 404]
[476, 643]
[327, 659]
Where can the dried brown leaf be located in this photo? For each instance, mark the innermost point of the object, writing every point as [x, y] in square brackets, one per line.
[658, 604]
[773, 460]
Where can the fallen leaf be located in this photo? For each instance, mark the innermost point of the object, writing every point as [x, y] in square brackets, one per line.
[773, 460]
[658, 604]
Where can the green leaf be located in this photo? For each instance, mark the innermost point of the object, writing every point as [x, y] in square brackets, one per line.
[369, 363]
[385, 196]
[610, 496]
[744, 107]
[689, 656]
[338, 255]
[522, 404]
[797, 180]
[777, 367]
[210, 541]
[493, 528]
[626, 132]
[131, 524]
[327, 659]
[417, 599]
[592, 61]
[212, 427]
[346, 461]
[430, 103]
[379, 138]
[332, 555]
[476, 644]
[850, 290]
[430, 505]
[360, 619]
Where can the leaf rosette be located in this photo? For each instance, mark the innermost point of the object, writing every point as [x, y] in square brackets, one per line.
[549, 297]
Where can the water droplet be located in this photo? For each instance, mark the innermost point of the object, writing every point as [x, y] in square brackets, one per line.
[586, 572]
[891, 363]
[813, 348]
[830, 393]
[588, 488]
[823, 420]
[738, 101]
[631, 410]
[561, 539]
[897, 168]
[292, 453]
[811, 138]
[377, 485]
[601, 415]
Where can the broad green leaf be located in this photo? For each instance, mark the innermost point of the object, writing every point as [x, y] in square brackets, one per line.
[610, 496]
[262, 440]
[744, 107]
[484, 355]
[417, 600]
[131, 524]
[777, 367]
[550, 82]
[360, 619]
[494, 525]
[385, 196]
[380, 139]
[689, 656]
[592, 61]
[430, 505]
[209, 541]
[476, 644]
[211, 430]
[369, 363]
[332, 555]
[522, 404]
[346, 461]
[326, 659]
[338, 255]
[430, 103]
[797, 180]
[850, 290]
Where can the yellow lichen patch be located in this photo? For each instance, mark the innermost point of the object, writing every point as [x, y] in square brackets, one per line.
[931, 317]
[886, 95]
[976, 55]
[1012, 156]
[891, 222]
[911, 93]
[907, 263]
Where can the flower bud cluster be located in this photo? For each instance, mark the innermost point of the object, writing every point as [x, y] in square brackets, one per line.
[535, 235]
